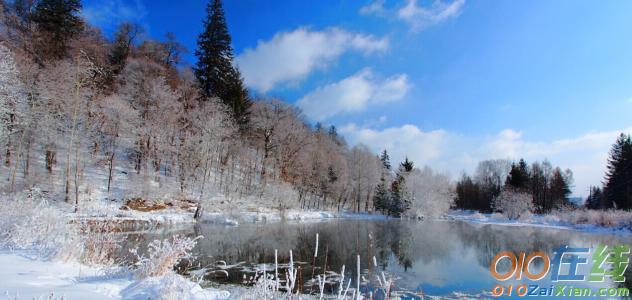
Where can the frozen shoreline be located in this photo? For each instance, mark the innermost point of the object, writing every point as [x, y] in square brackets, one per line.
[25, 277]
[544, 221]
[177, 217]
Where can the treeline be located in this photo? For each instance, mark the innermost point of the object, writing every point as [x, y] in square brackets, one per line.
[547, 186]
[407, 191]
[86, 117]
[616, 192]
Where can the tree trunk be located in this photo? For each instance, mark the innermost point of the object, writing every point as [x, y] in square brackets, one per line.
[110, 167]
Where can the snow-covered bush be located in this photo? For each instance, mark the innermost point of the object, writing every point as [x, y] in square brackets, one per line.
[163, 255]
[29, 222]
[617, 219]
[513, 204]
[100, 242]
[432, 193]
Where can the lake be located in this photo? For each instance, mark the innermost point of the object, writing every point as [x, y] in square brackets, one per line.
[438, 257]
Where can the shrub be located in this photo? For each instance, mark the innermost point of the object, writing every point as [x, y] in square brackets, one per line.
[164, 255]
[513, 204]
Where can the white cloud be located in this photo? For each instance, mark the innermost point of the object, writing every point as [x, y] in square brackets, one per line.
[421, 17]
[586, 155]
[110, 13]
[353, 94]
[407, 140]
[291, 56]
[415, 15]
[375, 7]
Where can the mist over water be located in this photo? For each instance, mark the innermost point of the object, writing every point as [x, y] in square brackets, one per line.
[437, 257]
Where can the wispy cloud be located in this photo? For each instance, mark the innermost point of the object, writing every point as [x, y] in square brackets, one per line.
[291, 56]
[375, 7]
[353, 94]
[416, 16]
[107, 14]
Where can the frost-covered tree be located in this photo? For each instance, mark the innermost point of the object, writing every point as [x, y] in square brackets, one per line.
[513, 204]
[364, 175]
[13, 103]
[118, 120]
[432, 194]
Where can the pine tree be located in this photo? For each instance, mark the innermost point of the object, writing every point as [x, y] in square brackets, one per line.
[237, 99]
[382, 197]
[332, 131]
[519, 177]
[57, 22]
[559, 190]
[597, 200]
[400, 198]
[331, 174]
[214, 70]
[618, 187]
[407, 165]
[385, 160]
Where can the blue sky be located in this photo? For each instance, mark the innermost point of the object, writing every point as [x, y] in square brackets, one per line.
[447, 83]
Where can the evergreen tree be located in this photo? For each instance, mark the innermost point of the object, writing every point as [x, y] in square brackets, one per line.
[332, 131]
[57, 21]
[382, 197]
[597, 200]
[331, 173]
[559, 190]
[318, 127]
[407, 165]
[618, 187]
[385, 160]
[214, 70]
[519, 177]
[400, 198]
[237, 98]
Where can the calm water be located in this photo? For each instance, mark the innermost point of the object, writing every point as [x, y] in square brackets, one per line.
[436, 257]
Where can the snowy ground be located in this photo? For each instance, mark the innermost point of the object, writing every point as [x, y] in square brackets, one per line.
[103, 210]
[277, 216]
[566, 220]
[23, 277]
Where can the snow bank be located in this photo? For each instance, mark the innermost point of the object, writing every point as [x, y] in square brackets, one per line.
[170, 286]
[26, 278]
[234, 219]
[582, 220]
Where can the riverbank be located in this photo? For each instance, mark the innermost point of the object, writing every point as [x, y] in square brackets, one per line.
[610, 221]
[175, 214]
[24, 276]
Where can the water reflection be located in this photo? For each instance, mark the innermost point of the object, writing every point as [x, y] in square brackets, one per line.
[436, 257]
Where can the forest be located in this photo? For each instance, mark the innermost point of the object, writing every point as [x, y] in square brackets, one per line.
[86, 117]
